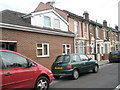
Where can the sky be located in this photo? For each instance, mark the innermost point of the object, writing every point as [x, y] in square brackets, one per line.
[98, 9]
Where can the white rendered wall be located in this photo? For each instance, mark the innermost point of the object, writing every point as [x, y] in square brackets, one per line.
[37, 19]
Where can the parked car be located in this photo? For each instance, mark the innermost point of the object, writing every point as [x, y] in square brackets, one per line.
[73, 65]
[114, 56]
[19, 71]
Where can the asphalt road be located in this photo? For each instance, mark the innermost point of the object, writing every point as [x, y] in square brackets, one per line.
[106, 78]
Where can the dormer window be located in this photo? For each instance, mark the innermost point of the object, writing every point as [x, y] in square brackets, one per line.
[47, 21]
[56, 23]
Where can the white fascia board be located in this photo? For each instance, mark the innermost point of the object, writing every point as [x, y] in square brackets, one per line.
[8, 41]
[32, 29]
[48, 11]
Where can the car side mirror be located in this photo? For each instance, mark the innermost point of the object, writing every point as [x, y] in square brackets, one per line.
[74, 61]
[89, 59]
[29, 64]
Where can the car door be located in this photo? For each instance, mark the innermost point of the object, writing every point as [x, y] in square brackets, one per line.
[88, 64]
[16, 74]
[77, 63]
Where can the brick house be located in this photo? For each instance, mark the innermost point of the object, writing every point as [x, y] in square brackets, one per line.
[79, 26]
[41, 35]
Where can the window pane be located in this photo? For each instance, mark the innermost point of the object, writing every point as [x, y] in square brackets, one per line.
[11, 60]
[68, 46]
[39, 45]
[47, 21]
[39, 51]
[63, 48]
[76, 27]
[45, 50]
[83, 57]
[75, 58]
[57, 23]
[68, 51]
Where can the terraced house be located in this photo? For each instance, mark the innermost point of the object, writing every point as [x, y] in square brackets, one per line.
[48, 32]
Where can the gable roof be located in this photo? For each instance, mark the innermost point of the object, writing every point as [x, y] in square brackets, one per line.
[12, 19]
[42, 7]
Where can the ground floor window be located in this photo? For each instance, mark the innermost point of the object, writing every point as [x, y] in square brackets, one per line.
[42, 49]
[8, 46]
[65, 48]
[81, 48]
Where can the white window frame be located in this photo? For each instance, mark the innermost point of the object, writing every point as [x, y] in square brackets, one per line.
[66, 48]
[42, 50]
[58, 23]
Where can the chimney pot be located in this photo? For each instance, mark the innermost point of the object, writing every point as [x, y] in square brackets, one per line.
[86, 15]
[105, 23]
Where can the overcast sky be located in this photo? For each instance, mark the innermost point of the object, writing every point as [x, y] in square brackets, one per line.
[97, 9]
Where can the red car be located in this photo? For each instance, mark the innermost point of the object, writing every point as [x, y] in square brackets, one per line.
[18, 71]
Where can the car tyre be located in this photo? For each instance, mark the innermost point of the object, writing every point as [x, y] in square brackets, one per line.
[75, 74]
[95, 69]
[42, 83]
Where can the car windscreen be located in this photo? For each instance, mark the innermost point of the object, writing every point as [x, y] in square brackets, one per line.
[62, 59]
[115, 53]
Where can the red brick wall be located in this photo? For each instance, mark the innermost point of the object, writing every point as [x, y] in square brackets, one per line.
[26, 44]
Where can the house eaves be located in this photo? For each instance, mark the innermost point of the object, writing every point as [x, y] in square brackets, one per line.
[36, 30]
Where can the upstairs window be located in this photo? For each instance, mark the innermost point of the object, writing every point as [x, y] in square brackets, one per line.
[91, 30]
[97, 32]
[85, 27]
[47, 21]
[75, 27]
[56, 23]
[42, 49]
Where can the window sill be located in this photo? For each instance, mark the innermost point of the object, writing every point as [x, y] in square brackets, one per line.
[43, 56]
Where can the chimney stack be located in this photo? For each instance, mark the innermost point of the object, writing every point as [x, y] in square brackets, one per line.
[116, 27]
[86, 15]
[51, 3]
[105, 23]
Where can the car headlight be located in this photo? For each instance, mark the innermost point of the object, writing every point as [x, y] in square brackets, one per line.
[49, 71]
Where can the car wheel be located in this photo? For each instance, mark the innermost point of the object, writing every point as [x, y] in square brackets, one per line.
[56, 77]
[95, 69]
[42, 83]
[75, 74]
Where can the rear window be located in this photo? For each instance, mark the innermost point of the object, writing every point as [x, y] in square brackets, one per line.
[62, 59]
[115, 53]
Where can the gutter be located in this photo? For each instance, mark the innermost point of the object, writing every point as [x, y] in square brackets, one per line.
[36, 30]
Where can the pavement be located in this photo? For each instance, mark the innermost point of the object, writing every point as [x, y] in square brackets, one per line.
[102, 62]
